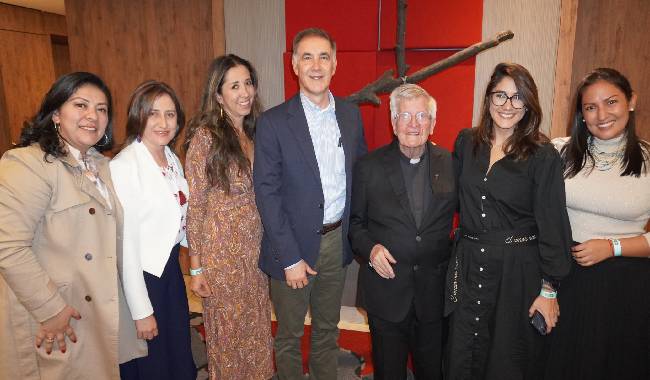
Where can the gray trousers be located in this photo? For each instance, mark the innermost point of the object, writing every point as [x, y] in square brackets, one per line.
[323, 296]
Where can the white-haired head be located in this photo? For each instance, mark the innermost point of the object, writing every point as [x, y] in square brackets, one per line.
[411, 91]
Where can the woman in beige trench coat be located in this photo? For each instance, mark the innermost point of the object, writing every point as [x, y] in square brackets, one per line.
[62, 310]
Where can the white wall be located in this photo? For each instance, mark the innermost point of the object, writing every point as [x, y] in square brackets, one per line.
[255, 31]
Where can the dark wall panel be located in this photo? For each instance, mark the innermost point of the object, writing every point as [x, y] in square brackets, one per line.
[27, 74]
[612, 33]
[127, 42]
[26, 65]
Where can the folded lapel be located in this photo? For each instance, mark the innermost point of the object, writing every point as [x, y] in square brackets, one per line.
[298, 126]
[346, 128]
[435, 168]
[85, 184]
[435, 181]
[396, 178]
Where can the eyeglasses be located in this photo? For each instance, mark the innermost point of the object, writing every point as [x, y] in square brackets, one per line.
[499, 98]
[406, 117]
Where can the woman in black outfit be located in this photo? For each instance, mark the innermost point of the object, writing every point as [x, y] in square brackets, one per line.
[513, 244]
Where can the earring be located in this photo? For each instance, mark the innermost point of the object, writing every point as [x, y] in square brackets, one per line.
[107, 140]
[221, 112]
[583, 120]
[57, 126]
[631, 109]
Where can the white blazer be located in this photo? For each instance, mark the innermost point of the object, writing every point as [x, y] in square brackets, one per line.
[152, 218]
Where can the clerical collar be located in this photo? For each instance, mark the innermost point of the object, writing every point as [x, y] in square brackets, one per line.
[413, 161]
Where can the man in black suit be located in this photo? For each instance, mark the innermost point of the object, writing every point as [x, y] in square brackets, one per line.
[305, 150]
[403, 201]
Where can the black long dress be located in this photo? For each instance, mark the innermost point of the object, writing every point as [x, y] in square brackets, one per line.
[490, 332]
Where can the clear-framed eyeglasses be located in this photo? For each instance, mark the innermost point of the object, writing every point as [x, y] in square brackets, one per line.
[499, 98]
[420, 117]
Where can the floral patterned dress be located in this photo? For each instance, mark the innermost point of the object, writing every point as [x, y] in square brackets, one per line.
[225, 229]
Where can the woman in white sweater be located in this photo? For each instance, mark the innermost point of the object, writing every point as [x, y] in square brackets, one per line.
[605, 303]
[149, 181]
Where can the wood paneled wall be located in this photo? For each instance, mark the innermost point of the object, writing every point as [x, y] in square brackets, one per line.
[26, 67]
[5, 136]
[127, 42]
[61, 56]
[606, 33]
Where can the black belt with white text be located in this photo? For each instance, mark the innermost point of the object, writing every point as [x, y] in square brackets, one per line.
[523, 236]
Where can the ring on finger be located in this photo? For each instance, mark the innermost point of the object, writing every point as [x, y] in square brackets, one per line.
[49, 340]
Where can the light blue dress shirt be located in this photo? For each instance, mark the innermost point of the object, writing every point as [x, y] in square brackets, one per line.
[326, 139]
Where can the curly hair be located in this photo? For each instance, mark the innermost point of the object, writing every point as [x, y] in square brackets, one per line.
[40, 128]
[526, 137]
[225, 150]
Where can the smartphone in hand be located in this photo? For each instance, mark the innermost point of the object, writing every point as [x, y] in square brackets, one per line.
[538, 322]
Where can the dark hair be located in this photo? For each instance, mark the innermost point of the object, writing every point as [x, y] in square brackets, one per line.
[576, 153]
[526, 137]
[141, 104]
[40, 128]
[312, 32]
[225, 150]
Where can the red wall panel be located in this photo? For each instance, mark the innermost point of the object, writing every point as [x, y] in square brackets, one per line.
[433, 24]
[352, 23]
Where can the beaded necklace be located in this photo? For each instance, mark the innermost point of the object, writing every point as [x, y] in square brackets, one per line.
[604, 161]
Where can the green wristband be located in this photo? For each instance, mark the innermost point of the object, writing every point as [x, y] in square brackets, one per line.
[547, 294]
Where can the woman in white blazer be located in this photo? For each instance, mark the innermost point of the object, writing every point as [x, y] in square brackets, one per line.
[149, 182]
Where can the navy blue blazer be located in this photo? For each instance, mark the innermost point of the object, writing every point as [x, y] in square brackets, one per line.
[288, 189]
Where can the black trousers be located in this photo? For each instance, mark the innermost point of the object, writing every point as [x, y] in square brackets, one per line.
[393, 341]
[170, 354]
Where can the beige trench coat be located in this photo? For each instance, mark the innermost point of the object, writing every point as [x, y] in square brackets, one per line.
[59, 245]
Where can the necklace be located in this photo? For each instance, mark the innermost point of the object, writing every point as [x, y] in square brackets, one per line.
[604, 161]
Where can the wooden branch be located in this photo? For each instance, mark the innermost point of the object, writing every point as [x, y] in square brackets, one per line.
[387, 83]
[400, 46]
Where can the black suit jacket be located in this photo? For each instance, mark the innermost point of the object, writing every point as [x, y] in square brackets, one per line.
[380, 214]
[288, 189]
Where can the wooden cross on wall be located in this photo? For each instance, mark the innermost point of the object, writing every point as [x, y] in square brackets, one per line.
[387, 82]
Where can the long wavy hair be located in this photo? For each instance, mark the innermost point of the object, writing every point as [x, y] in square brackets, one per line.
[141, 104]
[526, 137]
[576, 153]
[40, 128]
[225, 150]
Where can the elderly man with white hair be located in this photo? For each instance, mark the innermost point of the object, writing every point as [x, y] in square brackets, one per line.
[403, 201]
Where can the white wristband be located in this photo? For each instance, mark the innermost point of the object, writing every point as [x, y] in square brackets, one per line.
[618, 249]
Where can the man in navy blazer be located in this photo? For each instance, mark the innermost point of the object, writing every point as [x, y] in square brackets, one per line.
[305, 150]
